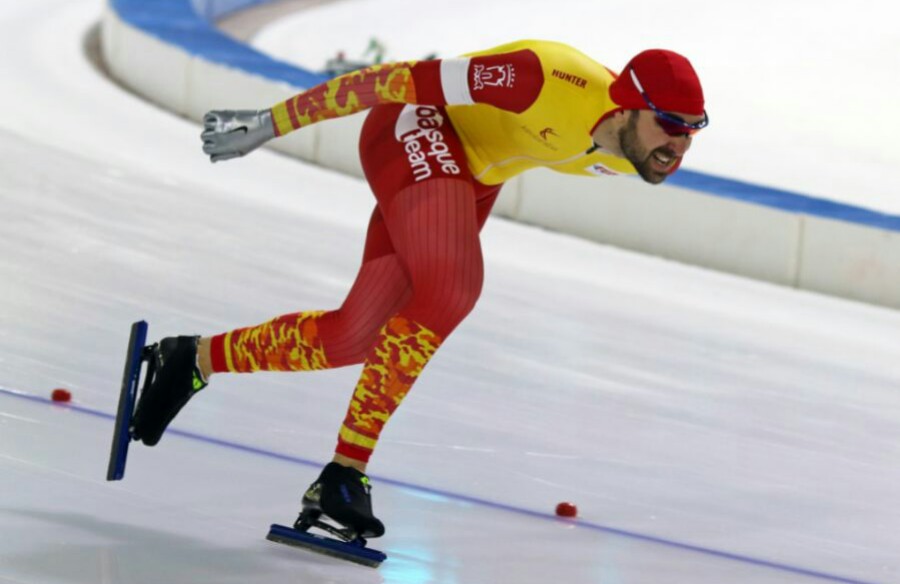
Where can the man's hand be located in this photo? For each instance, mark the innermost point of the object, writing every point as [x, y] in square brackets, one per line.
[230, 134]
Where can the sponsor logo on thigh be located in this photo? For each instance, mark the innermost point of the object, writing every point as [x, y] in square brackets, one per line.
[419, 129]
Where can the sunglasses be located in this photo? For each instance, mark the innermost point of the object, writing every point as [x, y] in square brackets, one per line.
[670, 123]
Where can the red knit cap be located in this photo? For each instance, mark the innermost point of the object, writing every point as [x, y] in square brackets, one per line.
[668, 79]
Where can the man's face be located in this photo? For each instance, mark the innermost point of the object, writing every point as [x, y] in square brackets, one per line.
[651, 151]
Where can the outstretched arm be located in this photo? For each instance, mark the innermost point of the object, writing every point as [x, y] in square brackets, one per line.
[510, 81]
[354, 92]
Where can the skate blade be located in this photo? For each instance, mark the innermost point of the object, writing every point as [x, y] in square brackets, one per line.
[323, 522]
[316, 518]
[352, 551]
[118, 454]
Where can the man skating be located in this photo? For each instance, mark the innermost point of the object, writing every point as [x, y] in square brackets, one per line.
[440, 140]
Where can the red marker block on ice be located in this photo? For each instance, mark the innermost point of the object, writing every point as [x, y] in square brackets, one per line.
[61, 395]
[566, 510]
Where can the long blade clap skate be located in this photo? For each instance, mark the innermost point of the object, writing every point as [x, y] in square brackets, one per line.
[338, 503]
[171, 379]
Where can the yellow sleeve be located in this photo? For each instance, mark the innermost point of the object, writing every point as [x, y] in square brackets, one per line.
[345, 95]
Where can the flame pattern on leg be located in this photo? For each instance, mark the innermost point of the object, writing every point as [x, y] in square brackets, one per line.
[287, 343]
[346, 95]
[403, 349]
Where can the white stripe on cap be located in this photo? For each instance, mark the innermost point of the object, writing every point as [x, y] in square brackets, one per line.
[455, 81]
[637, 83]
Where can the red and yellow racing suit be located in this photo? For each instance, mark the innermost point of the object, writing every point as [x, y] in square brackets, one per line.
[440, 140]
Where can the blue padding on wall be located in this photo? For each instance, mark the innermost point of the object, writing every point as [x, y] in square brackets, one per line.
[188, 24]
[211, 10]
[178, 22]
[786, 200]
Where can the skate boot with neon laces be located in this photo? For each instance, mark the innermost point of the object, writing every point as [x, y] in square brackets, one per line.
[343, 495]
[175, 379]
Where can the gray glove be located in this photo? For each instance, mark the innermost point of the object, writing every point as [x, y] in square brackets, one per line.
[230, 134]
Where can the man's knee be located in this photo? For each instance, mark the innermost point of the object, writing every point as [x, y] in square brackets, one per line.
[449, 294]
[351, 336]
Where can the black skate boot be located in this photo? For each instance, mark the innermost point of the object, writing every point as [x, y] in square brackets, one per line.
[342, 494]
[176, 379]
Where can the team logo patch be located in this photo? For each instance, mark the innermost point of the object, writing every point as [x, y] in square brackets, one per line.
[493, 76]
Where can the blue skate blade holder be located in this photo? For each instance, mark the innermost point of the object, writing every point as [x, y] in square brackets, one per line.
[118, 454]
[353, 551]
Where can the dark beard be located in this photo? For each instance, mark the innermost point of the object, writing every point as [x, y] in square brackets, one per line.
[637, 155]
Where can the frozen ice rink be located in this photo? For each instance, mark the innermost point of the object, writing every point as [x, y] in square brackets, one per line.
[710, 428]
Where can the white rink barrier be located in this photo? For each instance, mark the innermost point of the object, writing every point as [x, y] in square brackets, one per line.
[168, 52]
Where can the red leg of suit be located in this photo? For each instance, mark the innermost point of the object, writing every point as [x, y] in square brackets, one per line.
[421, 275]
